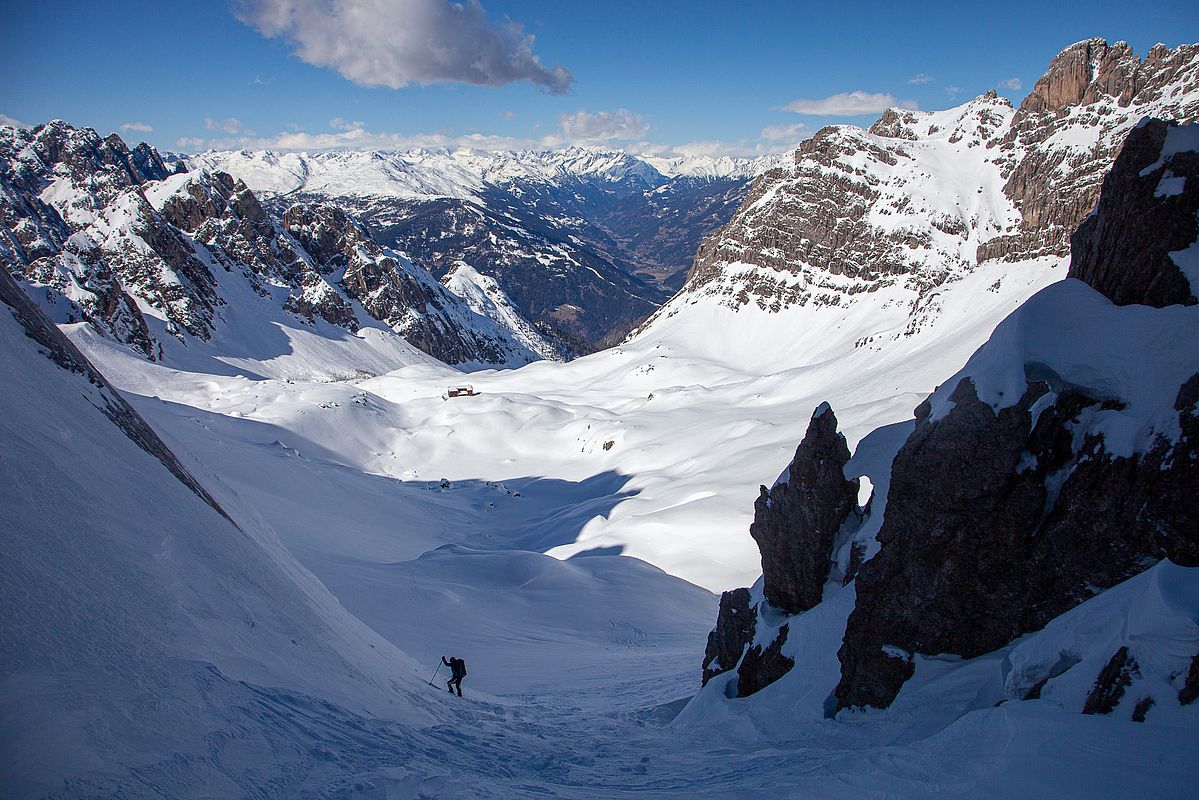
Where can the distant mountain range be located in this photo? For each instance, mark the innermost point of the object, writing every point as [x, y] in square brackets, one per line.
[586, 241]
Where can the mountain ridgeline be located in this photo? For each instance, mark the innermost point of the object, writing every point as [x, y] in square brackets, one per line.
[151, 256]
[586, 242]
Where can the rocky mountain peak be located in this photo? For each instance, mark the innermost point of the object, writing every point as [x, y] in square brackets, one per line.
[1068, 131]
[1084, 73]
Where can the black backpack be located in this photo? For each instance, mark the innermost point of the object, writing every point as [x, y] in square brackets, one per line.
[459, 667]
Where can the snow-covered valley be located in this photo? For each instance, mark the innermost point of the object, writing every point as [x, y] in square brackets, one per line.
[581, 658]
[243, 515]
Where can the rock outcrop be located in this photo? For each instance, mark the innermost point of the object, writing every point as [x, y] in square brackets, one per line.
[1147, 212]
[763, 666]
[796, 521]
[735, 622]
[796, 524]
[1001, 515]
[1111, 683]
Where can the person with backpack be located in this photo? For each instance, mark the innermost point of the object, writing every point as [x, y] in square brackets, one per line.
[457, 673]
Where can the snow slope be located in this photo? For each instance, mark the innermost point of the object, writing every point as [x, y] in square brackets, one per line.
[138, 622]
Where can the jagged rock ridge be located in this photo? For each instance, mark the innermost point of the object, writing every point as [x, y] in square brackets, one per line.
[923, 198]
[587, 242]
[102, 234]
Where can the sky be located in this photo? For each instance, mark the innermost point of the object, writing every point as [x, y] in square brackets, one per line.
[685, 77]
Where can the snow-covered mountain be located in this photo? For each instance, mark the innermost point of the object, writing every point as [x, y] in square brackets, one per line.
[586, 241]
[187, 264]
[465, 174]
[1057, 464]
[990, 574]
[923, 198]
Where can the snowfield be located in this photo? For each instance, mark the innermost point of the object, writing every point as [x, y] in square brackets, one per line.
[565, 569]
[566, 530]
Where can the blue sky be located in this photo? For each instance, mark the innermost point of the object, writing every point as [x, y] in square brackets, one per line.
[700, 76]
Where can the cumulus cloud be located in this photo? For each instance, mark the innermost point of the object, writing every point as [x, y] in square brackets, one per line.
[583, 127]
[395, 43]
[1015, 84]
[848, 104]
[137, 127]
[227, 125]
[922, 77]
[10, 122]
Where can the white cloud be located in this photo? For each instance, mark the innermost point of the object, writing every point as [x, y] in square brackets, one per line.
[227, 125]
[339, 124]
[583, 127]
[7, 121]
[848, 104]
[394, 43]
[261, 81]
[922, 77]
[953, 91]
[508, 114]
[1015, 84]
[191, 143]
[137, 127]
[777, 133]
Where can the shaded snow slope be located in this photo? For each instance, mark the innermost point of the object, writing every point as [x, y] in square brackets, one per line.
[138, 622]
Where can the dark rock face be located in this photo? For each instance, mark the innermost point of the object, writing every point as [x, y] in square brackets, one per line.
[1111, 683]
[760, 668]
[980, 543]
[796, 522]
[1123, 248]
[1189, 692]
[998, 522]
[734, 630]
[1092, 84]
[1142, 708]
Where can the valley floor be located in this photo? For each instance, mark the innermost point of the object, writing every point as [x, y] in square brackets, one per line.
[582, 658]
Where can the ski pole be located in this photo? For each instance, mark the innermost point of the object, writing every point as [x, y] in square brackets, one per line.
[435, 674]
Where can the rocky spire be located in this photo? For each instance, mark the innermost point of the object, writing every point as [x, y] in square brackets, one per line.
[797, 520]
